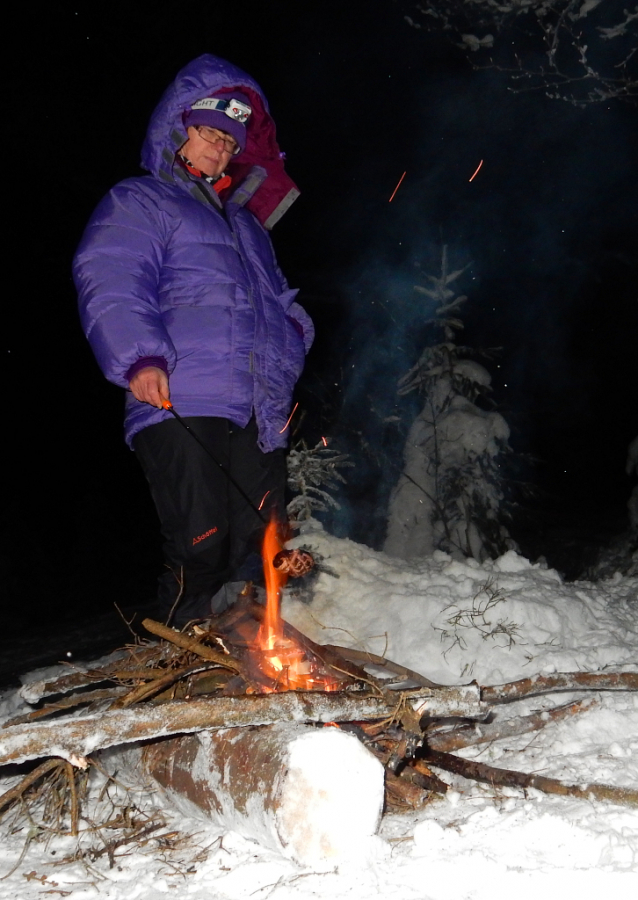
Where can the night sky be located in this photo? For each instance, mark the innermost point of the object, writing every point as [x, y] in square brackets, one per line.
[548, 227]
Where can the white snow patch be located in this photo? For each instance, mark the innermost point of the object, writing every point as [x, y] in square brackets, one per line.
[332, 798]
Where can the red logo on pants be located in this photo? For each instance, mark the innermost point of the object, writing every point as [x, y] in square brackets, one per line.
[203, 536]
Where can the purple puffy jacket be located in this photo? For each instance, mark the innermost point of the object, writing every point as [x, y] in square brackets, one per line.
[165, 277]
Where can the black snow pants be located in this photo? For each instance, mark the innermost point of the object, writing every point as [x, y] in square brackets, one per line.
[211, 535]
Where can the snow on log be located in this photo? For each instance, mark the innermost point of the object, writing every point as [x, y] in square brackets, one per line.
[462, 700]
[75, 738]
[314, 794]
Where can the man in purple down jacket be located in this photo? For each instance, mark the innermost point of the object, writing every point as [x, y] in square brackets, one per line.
[181, 297]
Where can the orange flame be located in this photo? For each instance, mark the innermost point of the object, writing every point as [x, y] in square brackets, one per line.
[271, 629]
[284, 657]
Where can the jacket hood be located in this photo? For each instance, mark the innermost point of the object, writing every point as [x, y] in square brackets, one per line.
[202, 77]
[269, 191]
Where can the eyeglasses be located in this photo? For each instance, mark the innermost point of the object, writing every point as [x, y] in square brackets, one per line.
[212, 136]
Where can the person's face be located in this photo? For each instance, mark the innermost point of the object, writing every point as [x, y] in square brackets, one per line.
[209, 149]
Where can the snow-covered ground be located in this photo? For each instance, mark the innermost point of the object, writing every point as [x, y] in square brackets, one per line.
[453, 622]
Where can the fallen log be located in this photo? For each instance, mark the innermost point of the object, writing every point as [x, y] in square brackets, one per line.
[310, 793]
[486, 774]
[561, 681]
[74, 739]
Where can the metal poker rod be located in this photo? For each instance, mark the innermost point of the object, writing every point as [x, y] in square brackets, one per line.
[170, 408]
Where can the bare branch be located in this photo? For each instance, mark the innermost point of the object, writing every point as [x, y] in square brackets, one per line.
[481, 772]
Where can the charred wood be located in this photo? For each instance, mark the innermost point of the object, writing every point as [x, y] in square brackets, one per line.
[157, 685]
[402, 793]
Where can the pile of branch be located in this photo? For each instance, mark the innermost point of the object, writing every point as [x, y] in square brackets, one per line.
[195, 682]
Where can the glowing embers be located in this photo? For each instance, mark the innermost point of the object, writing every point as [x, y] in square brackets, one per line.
[292, 668]
[397, 187]
[478, 169]
[286, 663]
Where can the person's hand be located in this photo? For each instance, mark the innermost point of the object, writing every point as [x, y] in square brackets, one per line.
[150, 385]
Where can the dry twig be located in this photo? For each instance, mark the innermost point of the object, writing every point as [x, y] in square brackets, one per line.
[192, 645]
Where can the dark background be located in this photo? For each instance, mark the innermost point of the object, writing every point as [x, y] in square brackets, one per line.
[549, 228]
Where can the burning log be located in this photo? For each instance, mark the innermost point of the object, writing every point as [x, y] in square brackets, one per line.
[310, 793]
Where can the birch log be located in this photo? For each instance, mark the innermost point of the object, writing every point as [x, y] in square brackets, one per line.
[314, 794]
[73, 739]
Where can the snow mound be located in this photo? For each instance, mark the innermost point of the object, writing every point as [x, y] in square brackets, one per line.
[458, 620]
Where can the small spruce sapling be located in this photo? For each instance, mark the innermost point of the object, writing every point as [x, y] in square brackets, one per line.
[450, 495]
[310, 471]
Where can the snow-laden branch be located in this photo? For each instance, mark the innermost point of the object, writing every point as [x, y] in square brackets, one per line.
[581, 51]
[312, 472]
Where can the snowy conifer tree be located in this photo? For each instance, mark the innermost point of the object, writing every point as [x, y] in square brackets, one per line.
[311, 472]
[449, 495]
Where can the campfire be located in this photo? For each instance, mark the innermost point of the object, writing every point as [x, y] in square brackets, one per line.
[230, 714]
[279, 656]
